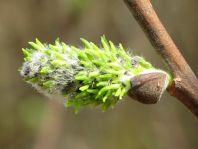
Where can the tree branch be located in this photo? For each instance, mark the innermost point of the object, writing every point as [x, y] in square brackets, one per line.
[185, 84]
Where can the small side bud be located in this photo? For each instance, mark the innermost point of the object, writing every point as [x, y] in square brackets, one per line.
[148, 87]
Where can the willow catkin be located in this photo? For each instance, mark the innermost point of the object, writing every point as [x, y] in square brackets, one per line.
[90, 75]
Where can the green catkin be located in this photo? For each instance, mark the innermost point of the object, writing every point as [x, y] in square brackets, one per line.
[90, 75]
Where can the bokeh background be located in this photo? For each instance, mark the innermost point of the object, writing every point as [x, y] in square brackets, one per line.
[29, 120]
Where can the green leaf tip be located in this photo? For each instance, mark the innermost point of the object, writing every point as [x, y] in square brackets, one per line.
[90, 75]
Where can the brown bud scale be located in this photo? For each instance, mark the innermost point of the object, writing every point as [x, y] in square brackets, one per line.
[148, 88]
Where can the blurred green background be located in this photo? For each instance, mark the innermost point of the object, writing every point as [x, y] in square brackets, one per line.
[29, 120]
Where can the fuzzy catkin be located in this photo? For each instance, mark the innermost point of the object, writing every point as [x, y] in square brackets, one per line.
[85, 76]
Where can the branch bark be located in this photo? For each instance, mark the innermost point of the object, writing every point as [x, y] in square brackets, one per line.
[185, 84]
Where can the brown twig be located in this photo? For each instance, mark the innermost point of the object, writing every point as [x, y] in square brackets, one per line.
[185, 84]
